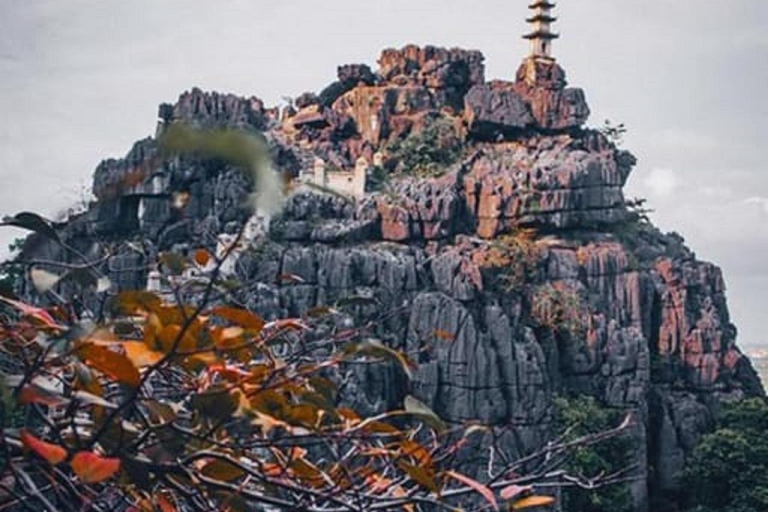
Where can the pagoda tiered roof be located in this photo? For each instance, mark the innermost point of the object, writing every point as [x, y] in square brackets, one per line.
[542, 17]
[540, 34]
[541, 3]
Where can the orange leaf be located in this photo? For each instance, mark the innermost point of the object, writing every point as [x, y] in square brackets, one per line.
[141, 355]
[240, 317]
[164, 503]
[91, 468]
[202, 257]
[477, 486]
[533, 501]
[53, 453]
[444, 335]
[112, 364]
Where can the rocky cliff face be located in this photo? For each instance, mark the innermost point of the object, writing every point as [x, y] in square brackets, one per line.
[499, 320]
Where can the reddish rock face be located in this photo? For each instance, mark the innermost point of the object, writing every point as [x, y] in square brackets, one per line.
[653, 337]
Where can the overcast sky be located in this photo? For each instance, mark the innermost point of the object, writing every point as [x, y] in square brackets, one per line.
[80, 80]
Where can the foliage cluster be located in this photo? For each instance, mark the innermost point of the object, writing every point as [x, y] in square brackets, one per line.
[614, 132]
[728, 471]
[430, 151]
[560, 305]
[581, 416]
[516, 256]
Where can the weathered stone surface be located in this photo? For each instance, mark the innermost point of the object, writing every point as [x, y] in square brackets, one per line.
[210, 110]
[549, 182]
[654, 336]
[496, 112]
[436, 68]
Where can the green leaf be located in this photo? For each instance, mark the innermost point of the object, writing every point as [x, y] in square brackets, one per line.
[418, 409]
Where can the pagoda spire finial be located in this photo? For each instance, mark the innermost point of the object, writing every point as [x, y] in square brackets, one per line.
[541, 35]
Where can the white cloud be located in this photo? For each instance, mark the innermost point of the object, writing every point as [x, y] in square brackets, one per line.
[761, 202]
[661, 182]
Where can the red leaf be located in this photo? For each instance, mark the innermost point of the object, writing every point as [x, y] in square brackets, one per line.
[202, 257]
[41, 316]
[91, 468]
[514, 491]
[53, 453]
[477, 486]
[32, 394]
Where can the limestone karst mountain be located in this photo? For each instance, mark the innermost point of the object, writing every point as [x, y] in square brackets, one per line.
[494, 230]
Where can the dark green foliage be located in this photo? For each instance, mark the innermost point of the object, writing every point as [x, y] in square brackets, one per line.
[614, 132]
[728, 471]
[584, 415]
[428, 152]
[378, 179]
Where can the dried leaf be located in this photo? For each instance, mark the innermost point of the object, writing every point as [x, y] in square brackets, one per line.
[425, 477]
[92, 468]
[533, 501]
[222, 470]
[116, 366]
[483, 490]
[52, 453]
[240, 317]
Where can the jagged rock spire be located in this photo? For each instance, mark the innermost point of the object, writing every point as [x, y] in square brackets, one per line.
[541, 35]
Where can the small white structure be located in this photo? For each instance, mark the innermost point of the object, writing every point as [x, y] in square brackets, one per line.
[541, 35]
[350, 183]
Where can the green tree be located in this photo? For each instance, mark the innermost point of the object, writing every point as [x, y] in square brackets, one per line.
[728, 471]
[581, 416]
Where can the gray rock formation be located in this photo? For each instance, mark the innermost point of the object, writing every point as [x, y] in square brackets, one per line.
[649, 329]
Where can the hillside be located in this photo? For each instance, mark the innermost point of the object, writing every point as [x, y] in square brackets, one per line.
[480, 227]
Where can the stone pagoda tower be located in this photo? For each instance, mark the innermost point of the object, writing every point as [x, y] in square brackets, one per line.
[541, 35]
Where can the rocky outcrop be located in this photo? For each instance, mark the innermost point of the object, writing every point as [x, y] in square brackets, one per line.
[597, 302]
[538, 101]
